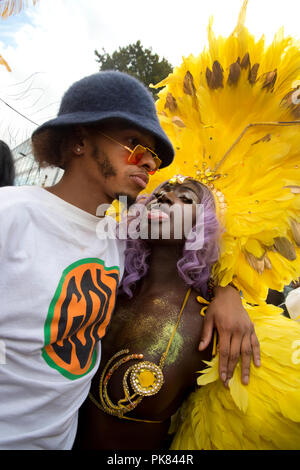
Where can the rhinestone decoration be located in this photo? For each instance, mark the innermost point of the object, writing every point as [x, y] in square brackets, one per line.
[146, 378]
[178, 179]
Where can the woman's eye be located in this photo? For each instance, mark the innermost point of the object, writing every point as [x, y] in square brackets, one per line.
[159, 195]
[186, 200]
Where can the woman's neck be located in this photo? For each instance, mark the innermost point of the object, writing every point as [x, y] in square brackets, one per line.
[163, 270]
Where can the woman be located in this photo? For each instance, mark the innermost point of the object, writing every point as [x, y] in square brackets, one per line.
[263, 415]
[145, 324]
[232, 114]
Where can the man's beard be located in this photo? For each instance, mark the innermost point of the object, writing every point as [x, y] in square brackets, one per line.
[107, 170]
[105, 167]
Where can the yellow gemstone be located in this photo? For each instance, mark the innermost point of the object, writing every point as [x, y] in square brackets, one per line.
[146, 378]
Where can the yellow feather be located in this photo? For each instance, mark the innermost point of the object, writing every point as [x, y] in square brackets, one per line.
[3, 62]
[264, 415]
[12, 7]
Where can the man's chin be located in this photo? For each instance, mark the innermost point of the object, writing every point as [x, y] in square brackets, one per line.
[129, 198]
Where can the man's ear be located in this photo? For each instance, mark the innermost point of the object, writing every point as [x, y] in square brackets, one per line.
[78, 141]
[78, 150]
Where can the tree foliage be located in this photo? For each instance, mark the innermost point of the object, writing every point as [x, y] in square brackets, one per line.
[137, 61]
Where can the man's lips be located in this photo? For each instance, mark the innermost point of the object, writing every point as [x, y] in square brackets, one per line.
[141, 179]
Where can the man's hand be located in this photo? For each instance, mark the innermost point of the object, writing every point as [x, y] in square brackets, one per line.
[236, 333]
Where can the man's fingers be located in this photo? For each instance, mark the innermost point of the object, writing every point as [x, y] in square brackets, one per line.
[246, 348]
[246, 352]
[234, 355]
[255, 349]
[206, 333]
[224, 350]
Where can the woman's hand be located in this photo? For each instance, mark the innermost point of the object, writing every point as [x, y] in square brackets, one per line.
[236, 333]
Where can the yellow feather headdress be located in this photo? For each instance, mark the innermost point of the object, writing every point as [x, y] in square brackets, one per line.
[233, 116]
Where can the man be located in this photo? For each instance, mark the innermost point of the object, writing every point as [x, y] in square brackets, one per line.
[58, 279]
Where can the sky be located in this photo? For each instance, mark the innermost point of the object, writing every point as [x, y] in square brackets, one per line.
[51, 45]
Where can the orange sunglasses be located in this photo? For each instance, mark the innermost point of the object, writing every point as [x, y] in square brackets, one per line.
[137, 153]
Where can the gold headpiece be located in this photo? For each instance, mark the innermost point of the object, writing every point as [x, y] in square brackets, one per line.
[233, 116]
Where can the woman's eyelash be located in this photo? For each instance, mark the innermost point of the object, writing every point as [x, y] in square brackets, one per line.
[187, 199]
[159, 195]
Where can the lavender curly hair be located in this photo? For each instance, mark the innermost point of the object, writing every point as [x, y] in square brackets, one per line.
[194, 267]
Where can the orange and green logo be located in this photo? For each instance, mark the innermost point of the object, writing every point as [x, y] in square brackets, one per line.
[78, 316]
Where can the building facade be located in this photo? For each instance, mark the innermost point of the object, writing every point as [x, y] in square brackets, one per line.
[28, 171]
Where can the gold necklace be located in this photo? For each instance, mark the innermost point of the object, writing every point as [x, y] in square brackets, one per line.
[145, 378]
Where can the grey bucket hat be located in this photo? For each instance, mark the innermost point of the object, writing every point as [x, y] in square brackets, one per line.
[110, 95]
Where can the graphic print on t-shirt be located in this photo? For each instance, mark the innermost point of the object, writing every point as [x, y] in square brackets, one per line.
[78, 316]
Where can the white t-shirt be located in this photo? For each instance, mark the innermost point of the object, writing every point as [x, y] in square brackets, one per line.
[58, 284]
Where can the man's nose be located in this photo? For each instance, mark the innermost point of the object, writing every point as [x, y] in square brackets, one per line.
[147, 161]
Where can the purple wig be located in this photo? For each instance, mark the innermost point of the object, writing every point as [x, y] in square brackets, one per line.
[194, 267]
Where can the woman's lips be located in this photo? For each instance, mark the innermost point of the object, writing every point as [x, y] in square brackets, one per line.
[156, 214]
[140, 180]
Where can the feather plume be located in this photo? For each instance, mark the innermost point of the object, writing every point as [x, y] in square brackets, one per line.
[265, 414]
[231, 114]
[3, 62]
[12, 7]
[9, 8]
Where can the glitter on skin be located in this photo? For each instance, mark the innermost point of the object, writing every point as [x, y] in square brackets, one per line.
[148, 337]
[161, 337]
[162, 341]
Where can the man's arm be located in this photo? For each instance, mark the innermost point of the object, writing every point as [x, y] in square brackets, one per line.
[237, 337]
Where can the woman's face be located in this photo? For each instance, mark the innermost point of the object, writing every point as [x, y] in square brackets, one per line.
[172, 212]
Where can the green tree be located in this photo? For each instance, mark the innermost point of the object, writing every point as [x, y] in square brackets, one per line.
[138, 61]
